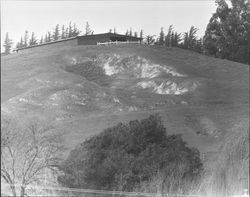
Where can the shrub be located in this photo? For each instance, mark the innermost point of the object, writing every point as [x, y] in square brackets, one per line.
[126, 156]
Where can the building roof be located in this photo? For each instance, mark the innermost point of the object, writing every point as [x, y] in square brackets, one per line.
[72, 38]
[52, 42]
[109, 34]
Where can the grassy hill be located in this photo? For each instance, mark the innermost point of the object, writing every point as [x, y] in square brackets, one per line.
[85, 89]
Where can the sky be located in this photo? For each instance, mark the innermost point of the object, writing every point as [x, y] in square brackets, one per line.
[42, 16]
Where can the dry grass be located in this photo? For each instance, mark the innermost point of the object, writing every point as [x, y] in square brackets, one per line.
[226, 176]
[229, 175]
[172, 183]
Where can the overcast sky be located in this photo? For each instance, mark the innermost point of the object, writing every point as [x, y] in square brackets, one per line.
[42, 16]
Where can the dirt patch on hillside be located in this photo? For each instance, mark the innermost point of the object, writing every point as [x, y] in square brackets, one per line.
[112, 69]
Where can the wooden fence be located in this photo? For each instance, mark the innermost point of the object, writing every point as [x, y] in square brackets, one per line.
[117, 43]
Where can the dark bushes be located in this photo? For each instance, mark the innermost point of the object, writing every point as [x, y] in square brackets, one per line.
[126, 156]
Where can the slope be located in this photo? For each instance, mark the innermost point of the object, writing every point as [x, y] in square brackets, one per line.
[85, 89]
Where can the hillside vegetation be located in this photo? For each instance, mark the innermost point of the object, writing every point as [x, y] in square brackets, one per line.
[85, 89]
[228, 174]
[74, 83]
[126, 156]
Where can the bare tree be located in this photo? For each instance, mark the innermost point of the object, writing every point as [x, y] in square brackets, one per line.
[26, 153]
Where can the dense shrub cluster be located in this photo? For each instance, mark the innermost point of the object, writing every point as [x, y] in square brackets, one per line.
[126, 156]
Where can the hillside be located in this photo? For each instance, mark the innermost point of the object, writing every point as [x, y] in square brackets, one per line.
[86, 89]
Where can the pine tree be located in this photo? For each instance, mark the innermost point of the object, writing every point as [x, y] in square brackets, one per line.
[41, 40]
[177, 39]
[127, 33]
[168, 36]
[56, 33]
[26, 38]
[46, 38]
[21, 43]
[161, 37]
[135, 34]
[192, 38]
[75, 31]
[70, 30]
[189, 38]
[185, 40]
[114, 30]
[172, 39]
[18, 45]
[63, 34]
[88, 31]
[141, 34]
[49, 37]
[7, 44]
[130, 32]
[33, 40]
[67, 33]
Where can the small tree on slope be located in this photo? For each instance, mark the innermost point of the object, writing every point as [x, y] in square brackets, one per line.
[33, 40]
[7, 44]
[161, 37]
[56, 33]
[26, 38]
[88, 31]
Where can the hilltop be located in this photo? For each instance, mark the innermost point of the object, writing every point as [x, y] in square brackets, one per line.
[85, 89]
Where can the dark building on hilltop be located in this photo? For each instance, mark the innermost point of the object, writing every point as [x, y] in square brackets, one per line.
[106, 37]
[86, 40]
